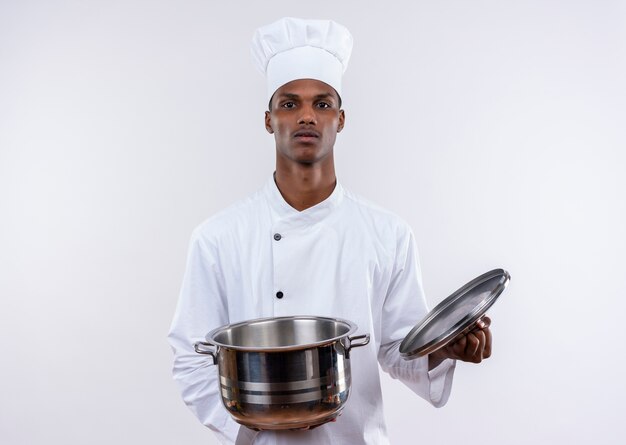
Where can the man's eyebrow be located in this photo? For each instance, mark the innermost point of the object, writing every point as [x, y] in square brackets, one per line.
[296, 96]
[325, 96]
[288, 96]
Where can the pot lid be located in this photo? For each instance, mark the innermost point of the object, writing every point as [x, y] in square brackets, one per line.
[455, 315]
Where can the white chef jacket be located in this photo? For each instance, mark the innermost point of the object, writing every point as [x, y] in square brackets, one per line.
[343, 258]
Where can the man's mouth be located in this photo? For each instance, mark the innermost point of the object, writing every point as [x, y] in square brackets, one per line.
[306, 134]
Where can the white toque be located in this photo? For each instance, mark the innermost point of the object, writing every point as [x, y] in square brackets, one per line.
[291, 49]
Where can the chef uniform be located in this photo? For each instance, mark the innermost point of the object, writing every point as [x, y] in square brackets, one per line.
[344, 258]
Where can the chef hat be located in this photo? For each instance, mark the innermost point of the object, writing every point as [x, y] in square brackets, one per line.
[292, 48]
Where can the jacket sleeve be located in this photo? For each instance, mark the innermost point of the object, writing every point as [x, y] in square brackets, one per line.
[201, 307]
[403, 307]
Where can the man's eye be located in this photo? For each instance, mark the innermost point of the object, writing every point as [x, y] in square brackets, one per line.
[288, 105]
[323, 105]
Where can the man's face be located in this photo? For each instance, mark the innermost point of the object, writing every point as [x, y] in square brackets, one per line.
[305, 118]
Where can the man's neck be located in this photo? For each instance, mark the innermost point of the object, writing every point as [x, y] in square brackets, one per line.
[305, 186]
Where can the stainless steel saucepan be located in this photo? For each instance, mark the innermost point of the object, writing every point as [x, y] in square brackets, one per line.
[284, 372]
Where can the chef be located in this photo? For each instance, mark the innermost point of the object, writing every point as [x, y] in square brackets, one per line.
[305, 245]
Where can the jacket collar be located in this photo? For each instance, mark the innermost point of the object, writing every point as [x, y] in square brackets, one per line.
[282, 209]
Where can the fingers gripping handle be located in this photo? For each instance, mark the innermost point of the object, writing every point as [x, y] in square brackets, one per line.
[479, 324]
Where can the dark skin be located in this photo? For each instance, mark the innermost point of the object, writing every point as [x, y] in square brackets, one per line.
[305, 117]
[473, 347]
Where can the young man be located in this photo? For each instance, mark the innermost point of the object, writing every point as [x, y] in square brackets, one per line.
[304, 245]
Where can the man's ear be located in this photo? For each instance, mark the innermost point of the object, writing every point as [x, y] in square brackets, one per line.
[342, 121]
[268, 125]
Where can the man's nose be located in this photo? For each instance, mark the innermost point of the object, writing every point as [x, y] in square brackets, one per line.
[307, 116]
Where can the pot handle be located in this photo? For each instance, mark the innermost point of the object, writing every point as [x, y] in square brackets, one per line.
[350, 343]
[212, 353]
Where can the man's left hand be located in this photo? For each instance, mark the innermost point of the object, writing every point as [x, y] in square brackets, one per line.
[473, 347]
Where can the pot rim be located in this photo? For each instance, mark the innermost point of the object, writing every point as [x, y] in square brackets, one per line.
[352, 327]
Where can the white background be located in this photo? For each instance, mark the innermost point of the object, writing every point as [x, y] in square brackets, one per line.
[495, 128]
